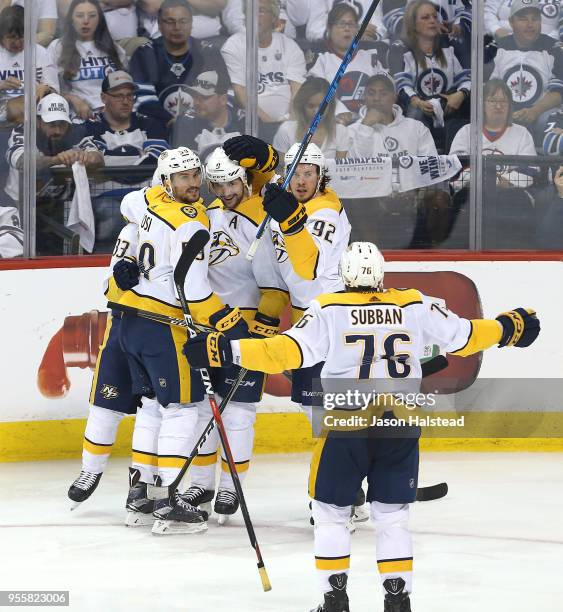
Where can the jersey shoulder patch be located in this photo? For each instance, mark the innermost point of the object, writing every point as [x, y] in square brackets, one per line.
[391, 297]
[328, 199]
[252, 209]
[175, 214]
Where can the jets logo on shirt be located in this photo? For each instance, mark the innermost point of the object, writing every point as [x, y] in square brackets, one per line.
[432, 81]
[222, 247]
[525, 83]
[391, 144]
[109, 392]
[550, 8]
[279, 245]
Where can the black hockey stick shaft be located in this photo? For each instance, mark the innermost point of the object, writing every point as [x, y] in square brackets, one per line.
[423, 494]
[190, 252]
[317, 118]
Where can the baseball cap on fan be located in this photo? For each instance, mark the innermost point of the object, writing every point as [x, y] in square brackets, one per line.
[209, 83]
[520, 5]
[116, 79]
[53, 108]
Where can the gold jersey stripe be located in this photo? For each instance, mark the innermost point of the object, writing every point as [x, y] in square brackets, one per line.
[395, 566]
[144, 458]
[99, 360]
[332, 563]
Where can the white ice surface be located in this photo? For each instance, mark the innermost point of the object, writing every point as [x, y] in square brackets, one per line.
[494, 544]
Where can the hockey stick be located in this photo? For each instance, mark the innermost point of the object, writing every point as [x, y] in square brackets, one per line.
[317, 118]
[190, 252]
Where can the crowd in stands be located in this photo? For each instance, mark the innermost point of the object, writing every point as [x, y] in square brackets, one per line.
[118, 81]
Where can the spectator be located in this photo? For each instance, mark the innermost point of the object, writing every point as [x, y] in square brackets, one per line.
[531, 65]
[549, 235]
[46, 18]
[164, 68]
[215, 118]
[552, 140]
[318, 18]
[430, 79]
[384, 130]
[210, 17]
[497, 18]
[59, 143]
[454, 16]
[331, 137]
[342, 28]
[124, 137]
[509, 206]
[12, 67]
[84, 54]
[281, 69]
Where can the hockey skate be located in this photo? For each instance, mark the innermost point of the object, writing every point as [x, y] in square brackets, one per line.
[337, 599]
[199, 497]
[396, 598]
[175, 515]
[139, 507]
[81, 489]
[359, 512]
[226, 504]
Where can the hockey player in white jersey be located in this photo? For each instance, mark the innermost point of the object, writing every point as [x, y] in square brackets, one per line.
[366, 332]
[111, 396]
[257, 290]
[309, 231]
[167, 217]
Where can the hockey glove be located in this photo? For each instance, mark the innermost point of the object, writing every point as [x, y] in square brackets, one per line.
[209, 350]
[520, 327]
[250, 152]
[229, 321]
[283, 206]
[263, 326]
[126, 274]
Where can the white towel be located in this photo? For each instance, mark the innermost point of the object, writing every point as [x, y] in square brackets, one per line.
[438, 112]
[81, 215]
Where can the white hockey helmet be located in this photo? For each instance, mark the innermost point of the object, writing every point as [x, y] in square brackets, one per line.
[221, 169]
[172, 161]
[361, 265]
[311, 155]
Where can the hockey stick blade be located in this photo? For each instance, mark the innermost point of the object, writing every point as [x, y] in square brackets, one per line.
[437, 491]
[191, 250]
[434, 365]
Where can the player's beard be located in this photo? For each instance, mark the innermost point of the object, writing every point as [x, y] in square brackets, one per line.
[191, 196]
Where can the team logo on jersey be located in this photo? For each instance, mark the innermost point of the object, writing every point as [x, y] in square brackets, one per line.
[279, 245]
[162, 382]
[432, 81]
[189, 211]
[176, 101]
[222, 247]
[109, 392]
[550, 8]
[177, 69]
[525, 83]
[406, 161]
[411, 483]
[391, 144]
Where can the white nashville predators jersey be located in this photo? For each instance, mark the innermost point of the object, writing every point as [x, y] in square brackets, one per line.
[125, 248]
[163, 230]
[237, 281]
[330, 229]
[353, 331]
